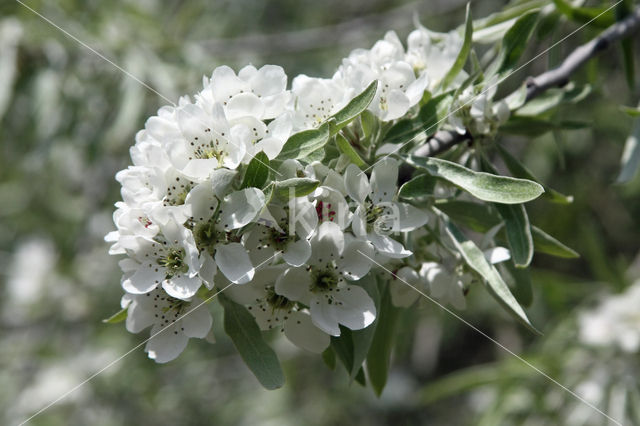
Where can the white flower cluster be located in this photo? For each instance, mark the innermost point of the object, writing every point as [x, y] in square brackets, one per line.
[615, 321]
[188, 227]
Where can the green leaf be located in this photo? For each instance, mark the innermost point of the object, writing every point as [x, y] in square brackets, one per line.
[354, 107]
[515, 41]
[247, 338]
[119, 316]
[343, 347]
[630, 155]
[521, 278]
[303, 143]
[545, 243]
[299, 187]
[475, 216]
[596, 16]
[369, 123]
[518, 229]
[485, 186]
[426, 123]
[379, 357]
[629, 64]
[329, 358]
[630, 111]
[362, 338]
[360, 378]
[417, 187]
[552, 98]
[461, 59]
[533, 126]
[519, 170]
[257, 172]
[474, 257]
[345, 147]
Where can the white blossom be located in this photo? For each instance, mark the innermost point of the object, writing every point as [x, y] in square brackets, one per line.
[322, 283]
[173, 321]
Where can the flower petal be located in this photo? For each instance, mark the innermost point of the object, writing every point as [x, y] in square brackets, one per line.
[323, 317]
[355, 309]
[297, 253]
[240, 208]
[181, 286]
[403, 295]
[201, 202]
[355, 261]
[410, 217]
[165, 345]
[244, 104]
[234, 262]
[356, 183]
[388, 246]
[294, 284]
[301, 331]
[197, 320]
[384, 179]
[497, 254]
[327, 244]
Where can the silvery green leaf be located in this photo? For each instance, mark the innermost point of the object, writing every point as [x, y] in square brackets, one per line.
[485, 186]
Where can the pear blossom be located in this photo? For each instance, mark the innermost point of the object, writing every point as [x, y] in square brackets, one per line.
[317, 99]
[195, 211]
[322, 283]
[449, 284]
[215, 224]
[401, 282]
[272, 310]
[398, 87]
[377, 214]
[284, 229]
[475, 111]
[173, 321]
[170, 260]
[433, 53]
[249, 98]
[614, 321]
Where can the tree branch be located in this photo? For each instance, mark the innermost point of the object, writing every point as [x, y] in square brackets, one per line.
[443, 140]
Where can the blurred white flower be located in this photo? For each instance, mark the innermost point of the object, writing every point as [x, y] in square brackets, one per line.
[615, 321]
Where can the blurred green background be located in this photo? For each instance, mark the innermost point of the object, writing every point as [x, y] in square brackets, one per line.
[67, 120]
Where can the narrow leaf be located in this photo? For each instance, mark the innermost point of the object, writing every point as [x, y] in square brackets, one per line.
[474, 257]
[519, 170]
[521, 278]
[343, 347]
[257, 172]
[596, 16]
[485, 186]
[119, 316]
[303, 143]
[534, 126]
[545, 243]
[329, 358]
[425, 124]
[379, 356]
[515, 41]
[630, 155]
[518, 230]
[354, 107]
[247, 338]
[461, 59]
[345, 147]
[630, 111]
[362, 338]
[417, 187]
[298, 187]
[475, 216]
